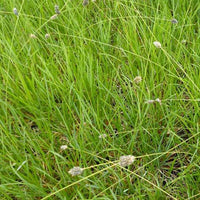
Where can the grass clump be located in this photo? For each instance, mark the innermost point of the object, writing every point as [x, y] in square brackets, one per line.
[83, 84]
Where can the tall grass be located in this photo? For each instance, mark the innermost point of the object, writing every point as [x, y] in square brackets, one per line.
[70, 80]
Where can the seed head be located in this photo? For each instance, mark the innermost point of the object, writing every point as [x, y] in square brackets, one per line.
[33, 36]
[15, 11]
[150, 101]
[47, 35]
[184, 41]
[63, 147]
[126, 160]
[102, 136]
[54, 17]
[85, 2]
[157, 44]
[76, 171]
[137, 79]
[153, 101]
[158, 100]
[57, 11]
[174, 21]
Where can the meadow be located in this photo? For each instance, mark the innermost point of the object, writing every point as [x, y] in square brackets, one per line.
[99, 99]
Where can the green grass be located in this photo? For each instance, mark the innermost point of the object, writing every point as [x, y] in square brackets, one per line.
[79, 84]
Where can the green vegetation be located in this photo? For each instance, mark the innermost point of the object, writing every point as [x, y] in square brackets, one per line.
[74, 79]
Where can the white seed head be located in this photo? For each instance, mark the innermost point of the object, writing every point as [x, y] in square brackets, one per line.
[15, 11]
[174, 21]
[157, 44]
[33, 36]
[85, 2]
[57, 11]
[102, 136]
[63, 147]
[158, 100]
[54, 17]
[47, 35]
[150, 101]
[76, 171]
[137, 79]
[126, 160]
[184, 41]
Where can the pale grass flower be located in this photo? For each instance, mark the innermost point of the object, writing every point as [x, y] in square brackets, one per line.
[102, 136]
[150, 101]
[47, 35]
[75, 171]
[63, 147]
[137, 79]
[184, 41]
[85, 2]
[54, 17]
[157, 44]
[174, 21]
[33, 36]
[158, 100]
[125, 161]
[15, 11]
[57, 11]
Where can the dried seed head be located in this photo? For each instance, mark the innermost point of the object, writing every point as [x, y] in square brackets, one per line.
[102, 136]
[54, 17]
[150, 101]
[137, 79]
[159, 101]
[184, 41]
[126, 160]
[85, 2]
[76, 171]
[33, 36]
[157, 44]
[47, 35]
[15, 11]
[63, 147]
[174, 21]
[57, 11]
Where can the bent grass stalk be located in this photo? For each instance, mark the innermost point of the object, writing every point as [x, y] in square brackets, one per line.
[72, 184]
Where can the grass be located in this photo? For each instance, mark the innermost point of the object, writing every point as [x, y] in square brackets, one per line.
[78, 84]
